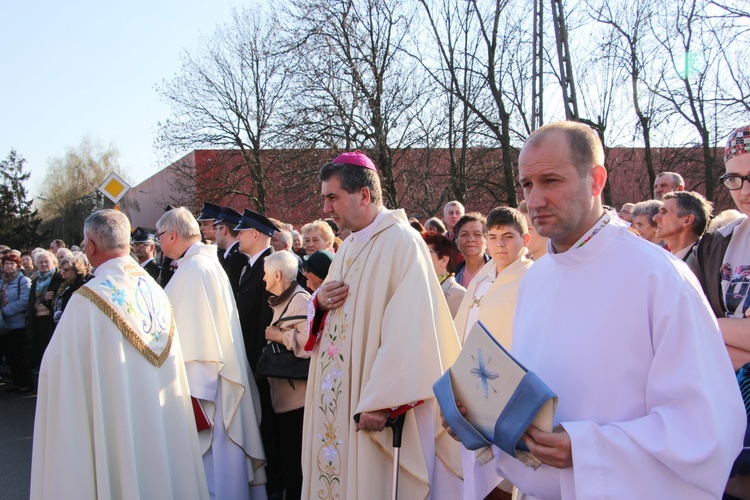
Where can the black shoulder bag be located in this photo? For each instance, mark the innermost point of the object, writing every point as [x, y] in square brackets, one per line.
[279, 362]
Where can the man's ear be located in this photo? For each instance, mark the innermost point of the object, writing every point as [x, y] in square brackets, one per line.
[526, 239]
[599, 174]
[366, 196]
[91, 247]
[689, 219]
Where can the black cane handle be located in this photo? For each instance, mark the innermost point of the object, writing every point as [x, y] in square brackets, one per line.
[397, 424]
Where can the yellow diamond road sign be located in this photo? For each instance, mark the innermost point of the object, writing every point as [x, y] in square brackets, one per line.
[114, 187]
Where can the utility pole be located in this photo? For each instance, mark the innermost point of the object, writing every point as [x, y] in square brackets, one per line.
[563, 57]
[537, 80]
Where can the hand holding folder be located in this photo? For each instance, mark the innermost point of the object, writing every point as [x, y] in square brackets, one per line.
[502, 397]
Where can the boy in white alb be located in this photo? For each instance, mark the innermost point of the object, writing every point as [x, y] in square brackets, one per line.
[491, 298]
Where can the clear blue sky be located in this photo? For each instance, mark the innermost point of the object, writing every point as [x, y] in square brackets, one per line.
[89, 67]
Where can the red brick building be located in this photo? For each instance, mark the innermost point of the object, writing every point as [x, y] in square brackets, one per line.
[422, 178]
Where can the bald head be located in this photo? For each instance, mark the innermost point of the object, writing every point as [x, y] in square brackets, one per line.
[584, 146]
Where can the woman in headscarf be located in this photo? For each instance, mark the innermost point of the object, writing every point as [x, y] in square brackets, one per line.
[14, 299]
[315, 268]
[41, 298]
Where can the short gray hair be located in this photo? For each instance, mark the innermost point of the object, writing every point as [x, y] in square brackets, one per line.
[52, 257]
[77, 264]
[62, 253]
[285, 237]
[454, 203]
[648, 208]
[284, 262]
[436, 223]
[110, 228]
[181, 221]
[690, 202]
[676, 178]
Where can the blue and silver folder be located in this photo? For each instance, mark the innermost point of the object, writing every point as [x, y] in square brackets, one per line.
[502, 397]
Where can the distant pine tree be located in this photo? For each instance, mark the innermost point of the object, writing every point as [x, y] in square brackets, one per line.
[19, 223]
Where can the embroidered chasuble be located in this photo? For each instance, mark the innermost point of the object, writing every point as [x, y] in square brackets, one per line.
[114, 418]
[382, 349]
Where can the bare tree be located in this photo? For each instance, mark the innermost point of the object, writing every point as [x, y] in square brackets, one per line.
[360, 91]
[480, 52]
[453, 27]
[631, 49]
[228, 96]
[732, 36]
[69, 192]
[732, 8]
[689, 76]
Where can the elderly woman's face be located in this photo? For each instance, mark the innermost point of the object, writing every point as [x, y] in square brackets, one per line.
[314, 241]
[67, 270]
[10, 267]
[44, 263]
[273, 281]
[312, 281]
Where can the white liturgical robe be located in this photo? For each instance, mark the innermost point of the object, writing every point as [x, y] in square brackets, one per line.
[113, 416]
[620, 330]
[217, 371]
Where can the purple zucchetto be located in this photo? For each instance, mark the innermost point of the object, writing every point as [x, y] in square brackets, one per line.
[355, 158]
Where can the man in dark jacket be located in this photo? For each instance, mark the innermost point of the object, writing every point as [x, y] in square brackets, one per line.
[255, 232]
[144, 248]
[232, 260]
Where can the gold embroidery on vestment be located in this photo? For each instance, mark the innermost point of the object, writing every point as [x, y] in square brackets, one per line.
[127, 330]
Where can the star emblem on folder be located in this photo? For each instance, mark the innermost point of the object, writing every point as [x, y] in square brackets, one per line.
[484, 374]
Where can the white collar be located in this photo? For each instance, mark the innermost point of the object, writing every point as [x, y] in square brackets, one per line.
[226, 252]
[366, 233]
[253, 258]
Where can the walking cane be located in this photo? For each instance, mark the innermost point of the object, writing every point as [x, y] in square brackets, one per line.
[397, 424]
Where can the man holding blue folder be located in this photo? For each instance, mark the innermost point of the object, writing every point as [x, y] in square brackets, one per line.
[620, 331]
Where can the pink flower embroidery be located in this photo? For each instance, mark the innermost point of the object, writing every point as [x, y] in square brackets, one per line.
[332, 350]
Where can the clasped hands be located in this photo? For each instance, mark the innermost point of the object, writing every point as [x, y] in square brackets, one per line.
[551, 448]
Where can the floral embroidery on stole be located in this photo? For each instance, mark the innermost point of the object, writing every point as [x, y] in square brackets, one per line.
[333, 425]
[146, 319]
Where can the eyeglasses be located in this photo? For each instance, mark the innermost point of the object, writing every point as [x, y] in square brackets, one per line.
[159, 235]
[63, 269]
[733, 181]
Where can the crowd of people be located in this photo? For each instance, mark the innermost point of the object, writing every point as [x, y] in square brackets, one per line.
[228, 355]
[37, 286]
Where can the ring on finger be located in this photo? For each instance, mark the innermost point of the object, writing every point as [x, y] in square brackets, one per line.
[329, 300]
